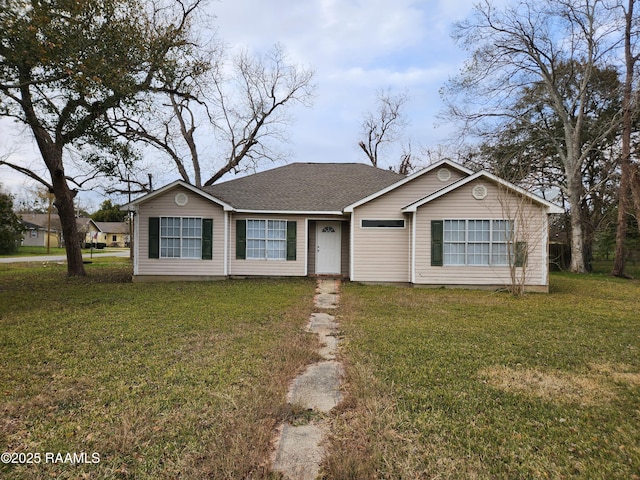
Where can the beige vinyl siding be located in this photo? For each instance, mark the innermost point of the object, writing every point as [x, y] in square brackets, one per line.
[284, 268]
[384, 254]
[165, 206]
[461, 205]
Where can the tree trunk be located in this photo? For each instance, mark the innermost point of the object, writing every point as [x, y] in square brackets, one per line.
[620, 257]
[574, 195]
[64, 202]
[627, 174]
[66, 210]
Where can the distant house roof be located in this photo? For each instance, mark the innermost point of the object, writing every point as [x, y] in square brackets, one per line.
[113, 227]
[41, 220]
[304, 187]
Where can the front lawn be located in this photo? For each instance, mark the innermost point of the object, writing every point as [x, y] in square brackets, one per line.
[164, 380]
[473, 384]
[188, 380]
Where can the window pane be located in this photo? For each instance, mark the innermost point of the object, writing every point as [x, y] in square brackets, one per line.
[454, 253]
[479, 231]
[502, 230]
[191, 248]
[170, 247]
[277, 229]
[454, 230]
[255, 229]
[499, 254]
[255, 248]
[382, 223]
[276, 249]
[478, 254]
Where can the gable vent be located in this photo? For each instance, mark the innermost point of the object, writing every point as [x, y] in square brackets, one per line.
[479, 192]
[444, 174]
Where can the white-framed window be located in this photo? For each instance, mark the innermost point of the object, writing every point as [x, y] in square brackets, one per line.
[180, 237]
[267, 239]
[477, 242]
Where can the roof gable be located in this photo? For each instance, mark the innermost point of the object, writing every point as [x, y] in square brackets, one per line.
[551, 207]
[171, 186]
[430, 168]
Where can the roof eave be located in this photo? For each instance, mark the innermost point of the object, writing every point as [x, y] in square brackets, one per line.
[288, 212]
[149, 196]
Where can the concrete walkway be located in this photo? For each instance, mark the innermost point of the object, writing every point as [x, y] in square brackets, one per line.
[299, 450]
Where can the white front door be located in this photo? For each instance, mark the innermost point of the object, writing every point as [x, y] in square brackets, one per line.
[328, 238]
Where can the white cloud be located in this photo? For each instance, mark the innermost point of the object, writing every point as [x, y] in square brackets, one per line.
[356, 48]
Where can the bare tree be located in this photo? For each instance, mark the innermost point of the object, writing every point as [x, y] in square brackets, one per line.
[523, 232]
[525, 44]
[384, 126]
[630, 178]
[239, 110]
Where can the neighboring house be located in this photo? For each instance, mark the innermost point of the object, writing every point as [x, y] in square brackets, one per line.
[112, 234]
[38, 227]
[444, 225]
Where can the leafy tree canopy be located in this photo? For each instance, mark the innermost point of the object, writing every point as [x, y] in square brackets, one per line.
[109, 212]
[10, 226]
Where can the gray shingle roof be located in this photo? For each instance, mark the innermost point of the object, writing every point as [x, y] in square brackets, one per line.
[319, 187]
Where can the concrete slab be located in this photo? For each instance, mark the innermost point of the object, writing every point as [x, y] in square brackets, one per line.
[326, 300]
[299, 452]
[327, 286]
[318, 388]
[322, 323]
[329, 348]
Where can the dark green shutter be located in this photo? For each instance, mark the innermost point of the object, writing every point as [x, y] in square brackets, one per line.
[241, 239]
[207, 238]
[291, 240]
[154, 237]
[521, 254]
[437, 227]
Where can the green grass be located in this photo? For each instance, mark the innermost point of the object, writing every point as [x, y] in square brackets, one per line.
[471, 384]
[162, 380]
[26, 251]
[188, 380]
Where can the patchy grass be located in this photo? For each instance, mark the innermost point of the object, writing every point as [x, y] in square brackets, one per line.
[472, 384]
[164, 380]
[28, 251]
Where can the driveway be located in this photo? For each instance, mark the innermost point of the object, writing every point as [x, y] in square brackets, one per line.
[63, 258]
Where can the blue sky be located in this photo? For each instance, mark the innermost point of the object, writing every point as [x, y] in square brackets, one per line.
[356, 48]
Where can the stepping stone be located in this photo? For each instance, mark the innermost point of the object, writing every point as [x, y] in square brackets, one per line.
[318, 388]
[326, 300]
[322, 323]
[328, 351]
[299, 453]
[327, 286]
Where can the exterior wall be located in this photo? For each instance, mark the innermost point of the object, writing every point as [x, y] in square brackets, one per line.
[530, 224]
[285, 268]
[384, 255]
[165, 206]
[40, 239]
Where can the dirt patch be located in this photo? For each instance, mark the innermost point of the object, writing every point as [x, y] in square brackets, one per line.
[593, 388]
